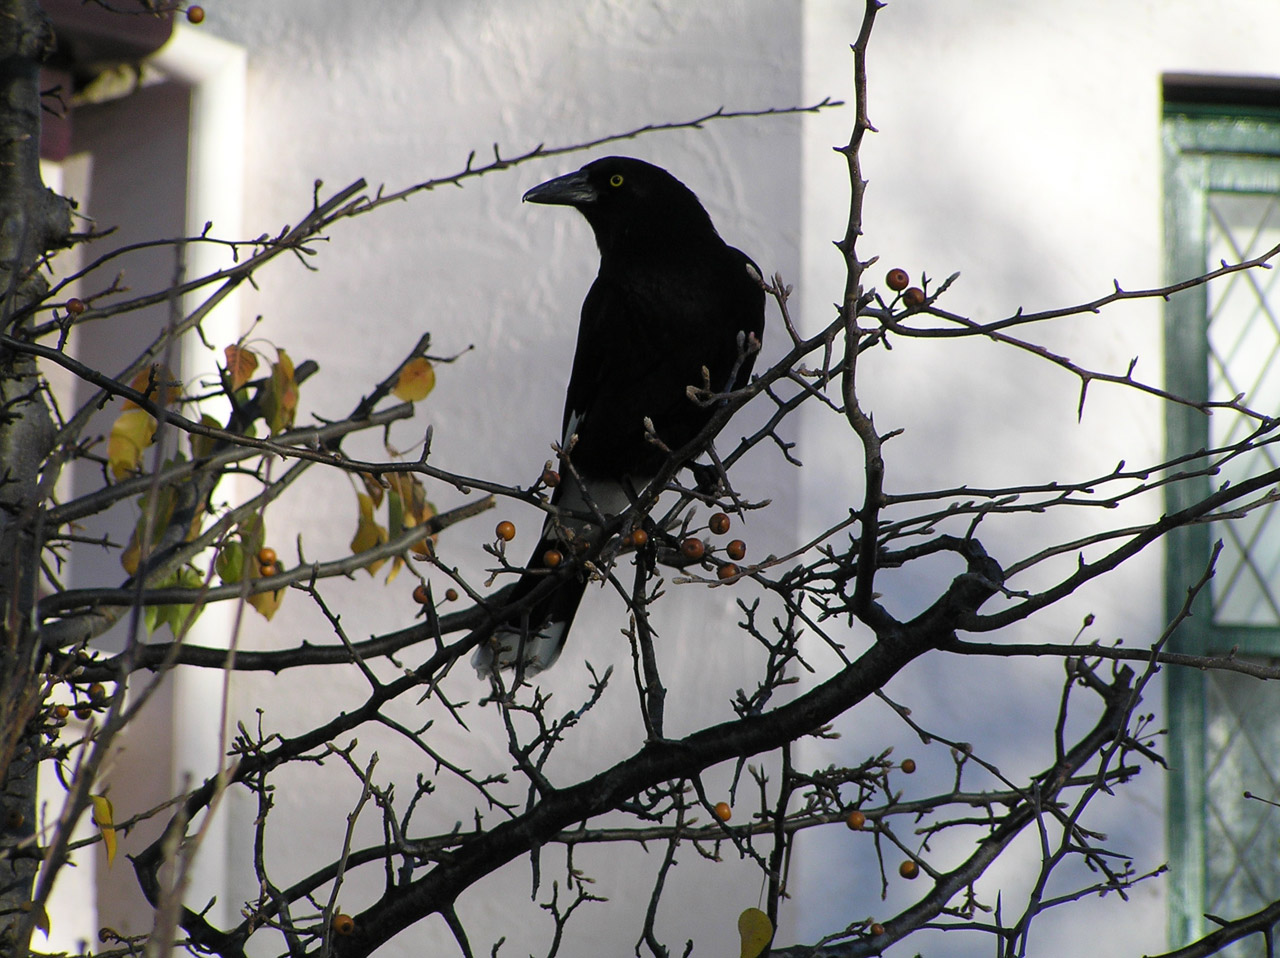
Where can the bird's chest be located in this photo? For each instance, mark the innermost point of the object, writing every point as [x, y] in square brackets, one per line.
[651, 304]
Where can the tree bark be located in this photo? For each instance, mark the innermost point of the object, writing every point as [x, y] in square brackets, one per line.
[32, 221]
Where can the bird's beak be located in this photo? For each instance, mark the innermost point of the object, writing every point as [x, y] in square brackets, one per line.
[572, 189]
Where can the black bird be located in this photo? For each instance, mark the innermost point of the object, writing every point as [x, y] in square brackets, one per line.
[671, 298]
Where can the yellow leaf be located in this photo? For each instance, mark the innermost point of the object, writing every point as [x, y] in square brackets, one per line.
[266, 603]
[103, 817]
[415, 497]
[241, 365]
[427, 546]
[397, 564]
[157, 384]
[373, 487]
[131, 434]
[368, 533]
[755, 930]
[415, 381]
[131, 558]
[408, 507]
[280, 398]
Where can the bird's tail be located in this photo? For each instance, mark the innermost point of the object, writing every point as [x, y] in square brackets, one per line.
[531, 641]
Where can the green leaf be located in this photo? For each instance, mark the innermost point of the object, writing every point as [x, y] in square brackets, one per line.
[230, 562]
[179, 618]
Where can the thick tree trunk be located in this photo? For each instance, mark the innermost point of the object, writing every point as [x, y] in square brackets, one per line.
[32, 220]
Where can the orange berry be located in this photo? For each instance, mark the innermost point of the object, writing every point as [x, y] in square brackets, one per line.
[195, 14]
[727, 571]
[913, 296]
[723, 811]
[550, 478]
[451, 595]
[736, 550]
[909, 869]
[97, 691]
[266, 571]
[83, 712]
[693, 548]
[908, 765]
[639, 538]
[61, 711]
[552, 558]
[506, 531]
[75, 306]
[876, 928]
[343, 924]
[855, 820]
[897, 279]
[267, 556]
[718, 524]
[421, 595]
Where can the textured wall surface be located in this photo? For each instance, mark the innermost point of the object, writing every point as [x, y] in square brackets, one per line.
[397, 93]
[1019, 145]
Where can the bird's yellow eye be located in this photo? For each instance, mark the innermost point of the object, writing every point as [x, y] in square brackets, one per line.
[615, 180]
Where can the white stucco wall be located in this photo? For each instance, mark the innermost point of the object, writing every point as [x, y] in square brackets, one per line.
[398, 93]
[1019, 145]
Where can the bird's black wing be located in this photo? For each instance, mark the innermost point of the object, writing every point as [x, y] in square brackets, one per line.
[646, 333]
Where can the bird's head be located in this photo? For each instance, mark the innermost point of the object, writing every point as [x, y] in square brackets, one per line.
[627, 199]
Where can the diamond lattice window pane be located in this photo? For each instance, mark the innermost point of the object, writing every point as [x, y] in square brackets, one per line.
[1242, 738]
[1244, 360]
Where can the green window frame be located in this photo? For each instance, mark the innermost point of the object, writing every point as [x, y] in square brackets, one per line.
[1222, 201]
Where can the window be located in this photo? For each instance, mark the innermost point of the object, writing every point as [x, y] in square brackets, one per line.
[1222, 202]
